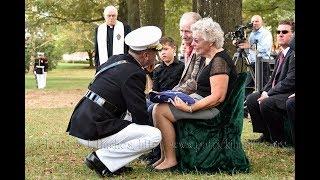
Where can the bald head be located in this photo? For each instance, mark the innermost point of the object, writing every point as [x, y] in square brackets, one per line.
[186, 20]
[110, 14]
[256, 22]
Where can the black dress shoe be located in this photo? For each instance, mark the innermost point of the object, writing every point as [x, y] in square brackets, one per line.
[94, 163]
[124, 169]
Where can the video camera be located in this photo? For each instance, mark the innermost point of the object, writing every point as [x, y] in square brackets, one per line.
[239, 34]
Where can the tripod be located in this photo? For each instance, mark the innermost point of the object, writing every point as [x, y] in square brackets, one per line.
[242, 62]
[256, 72]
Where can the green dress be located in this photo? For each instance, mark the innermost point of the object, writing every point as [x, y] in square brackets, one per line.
[214, 145]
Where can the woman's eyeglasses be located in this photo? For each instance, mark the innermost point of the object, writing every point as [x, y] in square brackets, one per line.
[283, 32]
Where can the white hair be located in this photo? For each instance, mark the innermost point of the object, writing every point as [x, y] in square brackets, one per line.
[191, 17]
[209, 30]
[108, 8]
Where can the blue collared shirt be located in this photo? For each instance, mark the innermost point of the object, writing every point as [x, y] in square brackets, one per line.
[263, 39]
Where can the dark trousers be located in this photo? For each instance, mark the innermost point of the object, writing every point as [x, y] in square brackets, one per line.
[250, 86]
[291, 112]
[267, 117]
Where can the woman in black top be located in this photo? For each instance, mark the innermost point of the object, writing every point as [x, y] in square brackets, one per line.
[215, 81]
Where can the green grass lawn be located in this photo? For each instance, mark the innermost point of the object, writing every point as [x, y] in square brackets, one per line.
[50, 153]
[66, 76]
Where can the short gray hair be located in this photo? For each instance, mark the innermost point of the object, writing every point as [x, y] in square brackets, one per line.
[210, 31]
[190, 16]
[108, 8]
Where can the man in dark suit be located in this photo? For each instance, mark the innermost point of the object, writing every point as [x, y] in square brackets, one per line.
[97, 120]
[109, 37]
[266, 108]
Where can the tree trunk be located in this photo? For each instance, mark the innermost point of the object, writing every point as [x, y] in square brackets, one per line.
[202, 7]
[227, 13]
[31, 64]
[155, 14]
[133, 14]
[194, 6]
[90, 55]
[32, 57]
[142, 5]
[123, 11]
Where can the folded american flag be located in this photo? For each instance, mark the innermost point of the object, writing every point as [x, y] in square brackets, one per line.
[168, 96]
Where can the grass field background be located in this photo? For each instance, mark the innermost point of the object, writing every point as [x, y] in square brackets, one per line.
[50, 153]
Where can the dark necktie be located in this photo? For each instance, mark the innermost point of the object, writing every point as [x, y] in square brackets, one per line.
[281, 60]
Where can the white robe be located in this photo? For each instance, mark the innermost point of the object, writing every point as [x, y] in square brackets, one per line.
[118, 41]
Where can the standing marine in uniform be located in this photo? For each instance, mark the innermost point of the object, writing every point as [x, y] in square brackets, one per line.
[118, 85]
[40, 70]
[41, 60]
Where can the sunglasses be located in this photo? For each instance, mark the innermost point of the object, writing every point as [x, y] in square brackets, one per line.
[283, 32]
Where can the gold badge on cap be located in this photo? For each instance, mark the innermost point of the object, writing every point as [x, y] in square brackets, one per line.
[157, 47]
[118, 36]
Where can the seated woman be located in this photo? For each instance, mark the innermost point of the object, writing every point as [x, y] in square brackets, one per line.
[214, 84]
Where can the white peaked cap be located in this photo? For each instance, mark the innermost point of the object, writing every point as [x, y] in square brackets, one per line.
[146, 37]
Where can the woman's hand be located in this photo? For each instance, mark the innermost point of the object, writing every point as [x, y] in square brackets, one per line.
[179, 104]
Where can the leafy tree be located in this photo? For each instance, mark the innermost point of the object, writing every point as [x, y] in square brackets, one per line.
[154, 14]
[123, 11]
[173, 12]
[57, 27]
[271, 11]
[75, 37]
[55, 18]
[227, 13]
[133, 14]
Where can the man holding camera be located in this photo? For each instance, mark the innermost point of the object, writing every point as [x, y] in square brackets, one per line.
[258, 46]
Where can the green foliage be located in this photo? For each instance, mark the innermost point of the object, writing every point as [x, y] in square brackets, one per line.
[67, 76]
[48, 49]
[27, 59]
[271, 11]
[74, 37]
[174, 10]
[68, 26]
[58, 27]
[53, 58]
